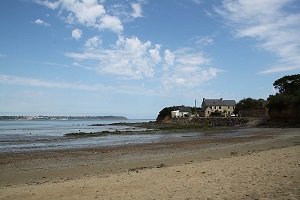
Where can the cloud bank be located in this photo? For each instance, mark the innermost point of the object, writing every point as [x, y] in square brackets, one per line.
[132, 58]
[129, 57]
[187, 68]
[275, 28]
[33, 82]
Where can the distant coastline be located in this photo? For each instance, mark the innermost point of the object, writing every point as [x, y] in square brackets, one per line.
[42, 117]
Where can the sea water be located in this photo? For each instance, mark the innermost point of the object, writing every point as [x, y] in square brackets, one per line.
[27, 135]
[32, 135]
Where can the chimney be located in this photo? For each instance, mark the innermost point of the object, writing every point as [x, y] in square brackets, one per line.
[221, 99]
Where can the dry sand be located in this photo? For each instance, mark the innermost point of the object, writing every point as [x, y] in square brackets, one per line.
[263, 166]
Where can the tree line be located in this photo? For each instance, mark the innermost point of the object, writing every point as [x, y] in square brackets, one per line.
[283, 106]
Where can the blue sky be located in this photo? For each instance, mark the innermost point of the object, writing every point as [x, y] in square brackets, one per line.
[132, 58]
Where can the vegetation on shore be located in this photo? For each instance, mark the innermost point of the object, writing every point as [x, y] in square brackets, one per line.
[281, 109]
[250, 107]
[284, 106]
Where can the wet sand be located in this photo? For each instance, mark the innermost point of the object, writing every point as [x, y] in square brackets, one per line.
[265, 165]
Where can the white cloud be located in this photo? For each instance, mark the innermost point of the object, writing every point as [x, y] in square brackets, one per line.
[155, 54]
[70, 19]
[136, 10]
[90, 13]
[189, 77]
[127, 11]
[25, 81]
[169, 59]
[86, 12]
[187, 57]
[50, 4]
[76, 34]
[41, 22]
[111, 22]
[129, 58]
[204, 41]
[190, 68]
[133, 59]
[33, 82]
[279, 69]
[93, 43]
[275, 29]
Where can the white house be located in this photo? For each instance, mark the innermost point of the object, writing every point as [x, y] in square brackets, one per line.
[181, 112]
[217, 106]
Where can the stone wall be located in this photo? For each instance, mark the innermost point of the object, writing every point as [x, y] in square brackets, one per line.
[214, 121]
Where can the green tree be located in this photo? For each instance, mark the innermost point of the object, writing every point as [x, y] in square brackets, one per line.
[289, 85]
[285, 105]
[249, 104]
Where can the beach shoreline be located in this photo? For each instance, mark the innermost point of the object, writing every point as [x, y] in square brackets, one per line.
[37, 171]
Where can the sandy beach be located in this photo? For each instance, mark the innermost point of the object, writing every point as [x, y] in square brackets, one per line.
[264, 165]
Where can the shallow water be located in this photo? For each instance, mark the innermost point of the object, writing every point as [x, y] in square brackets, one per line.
[24, 135]
[16, 136]
[58, 127]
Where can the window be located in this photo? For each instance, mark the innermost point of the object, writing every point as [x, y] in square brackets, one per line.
[220, 107]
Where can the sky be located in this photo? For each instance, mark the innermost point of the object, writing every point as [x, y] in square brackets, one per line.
[135, 57]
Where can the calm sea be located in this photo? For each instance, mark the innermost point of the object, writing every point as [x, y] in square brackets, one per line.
[58, 127]
[28, 135]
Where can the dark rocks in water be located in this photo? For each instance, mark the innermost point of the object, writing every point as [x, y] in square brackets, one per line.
[90, 134]
[98, 125]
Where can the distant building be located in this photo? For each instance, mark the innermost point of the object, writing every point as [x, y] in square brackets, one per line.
[182, 111]
[217, 107]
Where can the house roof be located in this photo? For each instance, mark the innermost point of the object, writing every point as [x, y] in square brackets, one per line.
[184, 109]
[217, 102]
